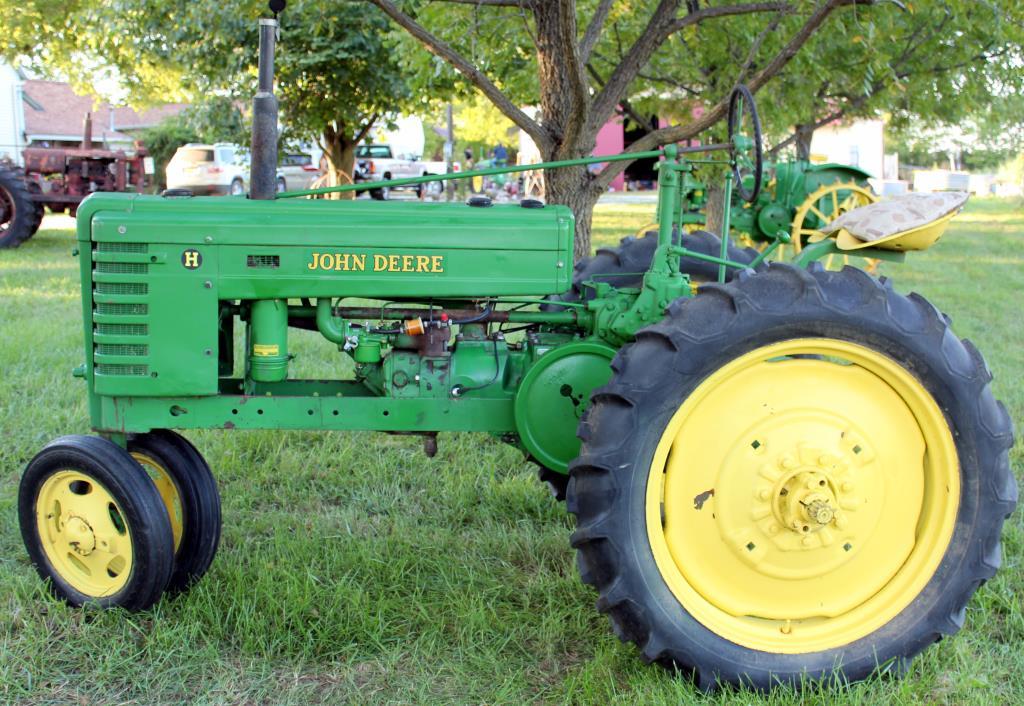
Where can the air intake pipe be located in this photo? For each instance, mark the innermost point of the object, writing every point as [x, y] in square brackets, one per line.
[263, 165]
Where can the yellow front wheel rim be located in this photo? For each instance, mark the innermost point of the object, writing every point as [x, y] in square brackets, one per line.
[803, 495]
[169, 493]
[84, 533]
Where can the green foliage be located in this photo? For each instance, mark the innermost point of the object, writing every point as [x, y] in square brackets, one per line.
[215, 119]
[336, 68]
[932, 61]
[218, 119]
[935, 61]
[162, 140]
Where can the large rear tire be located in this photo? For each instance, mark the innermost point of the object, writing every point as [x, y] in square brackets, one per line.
[798, 474]
[625, 265]
[19, 214]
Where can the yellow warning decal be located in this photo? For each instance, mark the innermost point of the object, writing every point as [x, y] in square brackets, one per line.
[265, 349]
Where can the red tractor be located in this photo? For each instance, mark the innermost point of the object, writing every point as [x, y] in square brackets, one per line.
[59, 178]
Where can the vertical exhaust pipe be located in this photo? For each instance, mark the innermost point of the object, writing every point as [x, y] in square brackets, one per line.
[263, 165]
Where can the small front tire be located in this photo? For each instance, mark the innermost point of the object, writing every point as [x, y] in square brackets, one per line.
[94, 524]
[189, 493]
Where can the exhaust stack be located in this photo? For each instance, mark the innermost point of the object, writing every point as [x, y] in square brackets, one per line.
[263, 166]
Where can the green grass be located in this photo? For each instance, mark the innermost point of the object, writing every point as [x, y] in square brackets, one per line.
[355, 570]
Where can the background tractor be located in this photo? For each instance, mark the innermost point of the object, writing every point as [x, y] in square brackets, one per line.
[60, 178]
[779, 474]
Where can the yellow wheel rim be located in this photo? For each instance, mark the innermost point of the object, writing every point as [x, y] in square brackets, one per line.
[823, 206]
[478, 184]
[84, 533]
[643, 230]
[799, 504]
[169, 493]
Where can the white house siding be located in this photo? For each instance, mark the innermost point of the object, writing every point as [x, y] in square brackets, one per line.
[12, 114]
[860, 143]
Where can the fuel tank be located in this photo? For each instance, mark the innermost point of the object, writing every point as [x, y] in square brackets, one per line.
[361, 248]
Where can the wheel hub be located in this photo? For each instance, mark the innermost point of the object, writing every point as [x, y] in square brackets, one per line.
[80, 536]
[801, 507]
[805, 503]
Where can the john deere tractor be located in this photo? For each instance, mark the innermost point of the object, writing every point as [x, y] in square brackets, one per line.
[780, 473]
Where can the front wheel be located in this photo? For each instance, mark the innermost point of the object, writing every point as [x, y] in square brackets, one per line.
[94, 524]
[189, 494]
[818, 486]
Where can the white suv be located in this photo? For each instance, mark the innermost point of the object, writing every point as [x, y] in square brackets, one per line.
[221, 168]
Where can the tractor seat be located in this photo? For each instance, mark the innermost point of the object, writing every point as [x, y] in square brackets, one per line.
[907, 222]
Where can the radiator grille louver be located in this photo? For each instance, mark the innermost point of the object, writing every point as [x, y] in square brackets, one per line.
[122, 349]
[122, 329]
[125, 288]
[117, 369]
[122, 268]
[115, 309]
[123, 247]
[113, 355]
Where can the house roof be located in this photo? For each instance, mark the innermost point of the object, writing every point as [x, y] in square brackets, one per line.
[54, 111]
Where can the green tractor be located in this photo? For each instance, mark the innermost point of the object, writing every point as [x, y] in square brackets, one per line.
[782, 473]
[799, 196]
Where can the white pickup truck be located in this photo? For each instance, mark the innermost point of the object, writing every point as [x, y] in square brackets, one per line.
[378, 163]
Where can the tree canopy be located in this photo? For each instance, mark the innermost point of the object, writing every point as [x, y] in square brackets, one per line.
[343, 66]
[584, 62]
[337, 70]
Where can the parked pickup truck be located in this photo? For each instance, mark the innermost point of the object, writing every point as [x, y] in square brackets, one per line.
[378, 163]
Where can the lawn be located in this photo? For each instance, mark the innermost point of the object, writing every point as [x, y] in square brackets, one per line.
[355, 570]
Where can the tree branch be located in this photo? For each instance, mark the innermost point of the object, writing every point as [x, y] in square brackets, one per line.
[490, 3]
[785, 54]
[366, 128]
[756, 46]
[443, 50]
[593, 32]
[834, 115]
[677, 133]
[626, 106]
[662, 25]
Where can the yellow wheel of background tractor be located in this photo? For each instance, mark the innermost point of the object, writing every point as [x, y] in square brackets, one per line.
[797, 474]
[819, 209]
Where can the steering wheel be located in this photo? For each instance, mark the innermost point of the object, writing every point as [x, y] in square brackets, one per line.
[747, 152]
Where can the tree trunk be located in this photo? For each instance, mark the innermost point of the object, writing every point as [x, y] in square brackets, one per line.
[572, 187]
[804, 134]
[713, 208]
[564, 105]
[340, 153]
